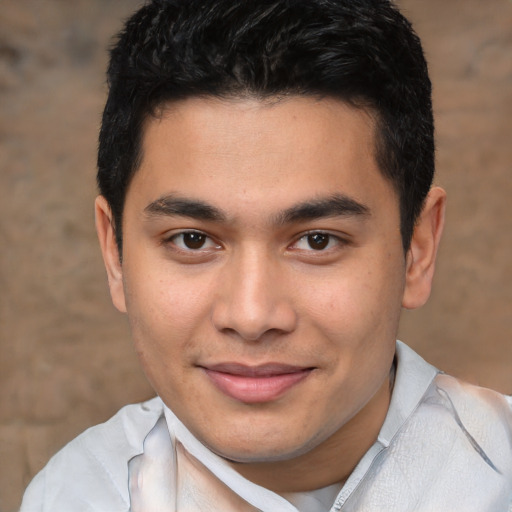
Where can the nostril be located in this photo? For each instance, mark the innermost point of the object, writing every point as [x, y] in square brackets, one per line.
[255, 324]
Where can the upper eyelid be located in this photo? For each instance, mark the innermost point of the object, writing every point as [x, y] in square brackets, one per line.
[183, 231]
[342, 242]
[342, 237]
[169, 237]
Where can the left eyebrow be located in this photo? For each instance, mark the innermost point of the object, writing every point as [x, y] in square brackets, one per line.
[333, 206]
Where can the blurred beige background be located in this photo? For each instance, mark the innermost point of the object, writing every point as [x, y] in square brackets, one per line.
[65, 356]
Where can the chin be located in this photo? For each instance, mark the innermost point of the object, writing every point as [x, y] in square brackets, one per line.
[261, 450]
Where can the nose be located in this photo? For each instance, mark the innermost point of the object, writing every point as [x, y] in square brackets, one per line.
[254, 300]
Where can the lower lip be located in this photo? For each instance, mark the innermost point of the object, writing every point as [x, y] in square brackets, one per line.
[253, 390]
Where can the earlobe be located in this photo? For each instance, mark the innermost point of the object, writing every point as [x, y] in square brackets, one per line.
[106, 235]
[421, 257]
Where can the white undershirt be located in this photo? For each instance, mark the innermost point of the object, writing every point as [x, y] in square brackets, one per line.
[320, 500]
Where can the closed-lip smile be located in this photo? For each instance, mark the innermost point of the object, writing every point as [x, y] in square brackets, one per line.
[255, 384]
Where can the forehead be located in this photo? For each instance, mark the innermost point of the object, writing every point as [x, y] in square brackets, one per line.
[259, 152]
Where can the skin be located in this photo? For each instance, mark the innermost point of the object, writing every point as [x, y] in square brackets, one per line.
[296, 260]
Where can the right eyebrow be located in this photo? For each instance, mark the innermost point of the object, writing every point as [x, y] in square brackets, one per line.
[171, 205]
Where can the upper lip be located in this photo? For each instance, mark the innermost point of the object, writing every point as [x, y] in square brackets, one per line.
[261, 370]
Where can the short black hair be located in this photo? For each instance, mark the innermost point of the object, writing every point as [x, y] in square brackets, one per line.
[363, 52]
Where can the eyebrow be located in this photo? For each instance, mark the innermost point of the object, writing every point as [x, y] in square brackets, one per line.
[332, 206]
[178, 206]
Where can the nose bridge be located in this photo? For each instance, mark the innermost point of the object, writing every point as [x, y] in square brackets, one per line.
[252, 297]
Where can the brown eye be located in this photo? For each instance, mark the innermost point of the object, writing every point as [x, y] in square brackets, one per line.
[193, 240]
[318, 241]
[191, 246]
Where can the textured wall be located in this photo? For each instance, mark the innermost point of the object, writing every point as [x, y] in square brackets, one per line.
[65, 355]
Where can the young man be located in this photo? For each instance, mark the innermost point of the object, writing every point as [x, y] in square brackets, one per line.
[266, 211]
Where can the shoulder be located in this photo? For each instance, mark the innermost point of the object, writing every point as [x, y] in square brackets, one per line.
[479, 409]
[423, 393]
[480, 418]
[91, 472]
[466, 432]
[453, 452]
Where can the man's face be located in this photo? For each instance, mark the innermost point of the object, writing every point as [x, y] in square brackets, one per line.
[263, 270]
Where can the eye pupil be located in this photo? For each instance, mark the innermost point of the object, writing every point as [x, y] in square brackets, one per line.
[318, 241]
[194, 240]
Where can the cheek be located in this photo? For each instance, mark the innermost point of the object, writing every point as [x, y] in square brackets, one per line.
[165, 314]
[360, 301]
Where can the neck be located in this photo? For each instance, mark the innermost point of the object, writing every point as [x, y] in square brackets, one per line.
[330, 462]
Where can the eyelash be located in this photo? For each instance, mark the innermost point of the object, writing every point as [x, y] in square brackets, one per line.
[208, 247]
[322, 235]
[199, 234]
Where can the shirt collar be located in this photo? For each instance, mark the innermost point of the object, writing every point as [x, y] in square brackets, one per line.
[412, 380]
[259, 497]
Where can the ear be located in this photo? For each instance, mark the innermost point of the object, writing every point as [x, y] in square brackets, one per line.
[421, 256]
[106, 234]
